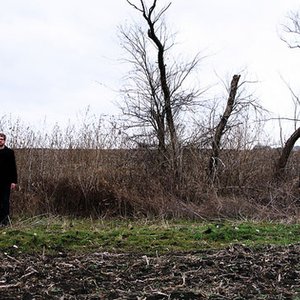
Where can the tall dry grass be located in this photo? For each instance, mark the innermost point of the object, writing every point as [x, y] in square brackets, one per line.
[93, 169]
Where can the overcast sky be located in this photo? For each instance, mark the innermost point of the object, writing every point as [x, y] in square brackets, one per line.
[57, 57]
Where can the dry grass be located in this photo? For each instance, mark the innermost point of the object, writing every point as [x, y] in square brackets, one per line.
[94, 170]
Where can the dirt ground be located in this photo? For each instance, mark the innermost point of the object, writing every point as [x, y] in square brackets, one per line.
[237, 272]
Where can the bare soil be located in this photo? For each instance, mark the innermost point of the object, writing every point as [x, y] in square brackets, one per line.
[237, 272]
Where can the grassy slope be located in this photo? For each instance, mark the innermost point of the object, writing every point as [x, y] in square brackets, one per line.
[50, 235]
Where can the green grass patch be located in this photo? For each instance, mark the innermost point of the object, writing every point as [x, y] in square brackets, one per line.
[52, 235]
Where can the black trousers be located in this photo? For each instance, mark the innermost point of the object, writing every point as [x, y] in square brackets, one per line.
[4, 204]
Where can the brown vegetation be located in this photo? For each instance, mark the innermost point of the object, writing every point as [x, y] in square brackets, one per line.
[130, 183]
[98, 171]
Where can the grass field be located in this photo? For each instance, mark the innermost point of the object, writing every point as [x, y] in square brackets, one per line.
[53, 235]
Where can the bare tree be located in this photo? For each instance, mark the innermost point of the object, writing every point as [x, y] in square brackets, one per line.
[291, 30]
[236, 127]
[290, 142]
[285, 153]
[219, 131]
[155, 94]
[291, 36]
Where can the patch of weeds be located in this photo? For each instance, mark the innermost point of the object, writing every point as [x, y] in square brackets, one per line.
[253, 233]
[141, 236]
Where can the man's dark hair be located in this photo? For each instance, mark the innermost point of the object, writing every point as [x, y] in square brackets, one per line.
[3, 135]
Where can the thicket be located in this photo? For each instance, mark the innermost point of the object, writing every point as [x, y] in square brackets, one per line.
[94, 170]
[175, 154]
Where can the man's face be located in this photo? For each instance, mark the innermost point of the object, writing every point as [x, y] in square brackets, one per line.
[2, 141]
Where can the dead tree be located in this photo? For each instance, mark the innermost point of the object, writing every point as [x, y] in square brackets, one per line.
[281, 163]
[157, 95]
[151, 20]
[285, 153]
[220, 128]
[291, 36]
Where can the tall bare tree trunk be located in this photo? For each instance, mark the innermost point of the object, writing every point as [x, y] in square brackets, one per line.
[166, 83]
[285, 153]
[166, 92]
[213, 161]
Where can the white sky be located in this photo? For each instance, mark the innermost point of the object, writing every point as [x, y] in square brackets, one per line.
[57, 57]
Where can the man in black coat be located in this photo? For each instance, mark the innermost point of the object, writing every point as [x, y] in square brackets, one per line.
[8, 178]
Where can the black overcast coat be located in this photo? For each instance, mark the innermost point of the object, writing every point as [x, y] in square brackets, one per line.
[8, 169]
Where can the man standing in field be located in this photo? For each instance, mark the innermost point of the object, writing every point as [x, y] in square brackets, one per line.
[8, 178]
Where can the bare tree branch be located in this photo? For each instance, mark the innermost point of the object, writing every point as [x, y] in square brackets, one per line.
[291, 30]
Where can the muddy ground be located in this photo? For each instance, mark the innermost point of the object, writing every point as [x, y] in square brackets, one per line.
[234, 273]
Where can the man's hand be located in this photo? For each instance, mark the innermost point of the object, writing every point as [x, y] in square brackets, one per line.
[13, 186]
